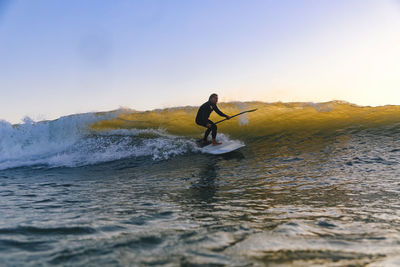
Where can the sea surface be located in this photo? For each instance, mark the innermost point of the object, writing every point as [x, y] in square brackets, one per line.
[316, 184]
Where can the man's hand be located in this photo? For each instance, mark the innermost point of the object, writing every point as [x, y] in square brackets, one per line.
[208, 125]
[228, 117]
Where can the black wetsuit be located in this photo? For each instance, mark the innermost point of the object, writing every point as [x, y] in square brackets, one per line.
[202, 118]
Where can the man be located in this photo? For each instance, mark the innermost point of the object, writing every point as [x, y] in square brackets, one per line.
[202, 118]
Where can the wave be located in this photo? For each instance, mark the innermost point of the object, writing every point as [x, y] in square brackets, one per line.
[91, 138]
[297, 118]
[69, 141]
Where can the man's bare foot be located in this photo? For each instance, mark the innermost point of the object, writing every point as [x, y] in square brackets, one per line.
[215, 143]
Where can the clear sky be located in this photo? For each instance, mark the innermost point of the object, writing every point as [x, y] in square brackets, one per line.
[64, 57]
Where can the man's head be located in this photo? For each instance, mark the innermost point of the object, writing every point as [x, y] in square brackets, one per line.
[213, 98]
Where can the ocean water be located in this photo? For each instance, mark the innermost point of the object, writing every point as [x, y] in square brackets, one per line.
[316, 184]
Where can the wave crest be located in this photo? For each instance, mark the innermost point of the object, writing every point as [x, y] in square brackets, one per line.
[271, 118]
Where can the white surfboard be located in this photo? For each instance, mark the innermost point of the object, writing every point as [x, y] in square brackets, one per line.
[225, 147]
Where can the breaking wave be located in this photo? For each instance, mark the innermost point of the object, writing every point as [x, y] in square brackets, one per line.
[91, 138]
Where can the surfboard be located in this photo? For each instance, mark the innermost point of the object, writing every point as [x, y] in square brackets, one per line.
[225, 147]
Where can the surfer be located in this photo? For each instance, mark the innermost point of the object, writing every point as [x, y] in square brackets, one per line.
[202, 118]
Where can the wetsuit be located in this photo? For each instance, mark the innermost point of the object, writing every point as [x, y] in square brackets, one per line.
[202, 118]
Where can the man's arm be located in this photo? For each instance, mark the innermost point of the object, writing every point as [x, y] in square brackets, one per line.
[219, 112]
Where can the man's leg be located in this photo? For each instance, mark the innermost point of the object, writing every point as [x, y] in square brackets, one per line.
[214, 133]
[206, 134]
[208, 130]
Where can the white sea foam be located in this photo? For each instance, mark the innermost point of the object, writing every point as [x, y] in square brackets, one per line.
[68, 141]
[244, 118]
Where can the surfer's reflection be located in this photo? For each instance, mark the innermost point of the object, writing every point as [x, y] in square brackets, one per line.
[204, 189]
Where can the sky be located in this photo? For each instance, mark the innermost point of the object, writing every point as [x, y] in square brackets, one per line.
[65, 57]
